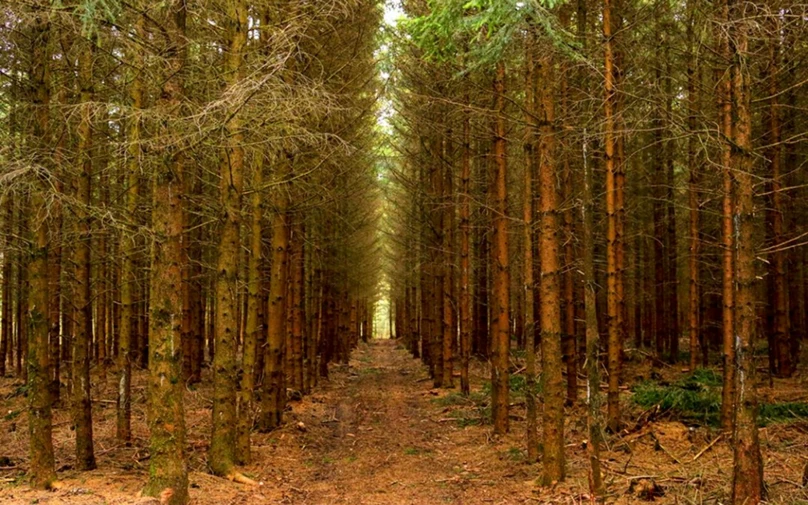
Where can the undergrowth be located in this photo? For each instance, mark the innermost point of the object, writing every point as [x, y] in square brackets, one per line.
[471, 410]
[697, 398]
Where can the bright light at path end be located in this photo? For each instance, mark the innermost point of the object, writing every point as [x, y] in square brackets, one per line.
[392, 12]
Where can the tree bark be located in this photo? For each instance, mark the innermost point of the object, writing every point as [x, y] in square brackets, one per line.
[129, 312]
[728, 275]
[694, 306]
[500, 330]
[747, 479]
[465, 239]
[784, 364]
[527, 251]
[593, 397]
[612, 301]
[222, 454]
[168, 473]
[274, 396]
[550, 285]
[254, 325]
[41, 466]
[82, 404]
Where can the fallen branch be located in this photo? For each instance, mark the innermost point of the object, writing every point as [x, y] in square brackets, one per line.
[665, 450]
[715, 441]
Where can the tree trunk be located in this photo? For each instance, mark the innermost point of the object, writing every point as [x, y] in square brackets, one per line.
[593, 398]
[129, 291]
[225, 373]
[254, 325]
[465, 238]
[527, 251]
[168, 472]
[82, 405]
[612, 302]
[500, 330]
[296, 300]
[274, 396]
[8, 319]
[550, 313]
[693, 189]
[41, 465]
[747, 479]
[728, 276]
[777, 266]
[449, 326]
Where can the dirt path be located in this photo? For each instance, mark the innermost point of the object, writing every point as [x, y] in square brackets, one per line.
[375, 435]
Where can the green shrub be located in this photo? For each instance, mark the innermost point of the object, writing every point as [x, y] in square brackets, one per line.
[697, 398]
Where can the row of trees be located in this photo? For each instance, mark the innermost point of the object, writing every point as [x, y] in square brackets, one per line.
[601, 172]
[184, 184]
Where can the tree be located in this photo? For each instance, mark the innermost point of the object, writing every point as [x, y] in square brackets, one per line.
[168, 473]
[747, 479]
[550, 320]
[500, 327]
[223, 440]
[42, 471]
[82, 404]
[613, 276]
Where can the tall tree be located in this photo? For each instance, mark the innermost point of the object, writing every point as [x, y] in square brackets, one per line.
[128, 247]
[168, 472]
[41, 470]
[82, 404]
[223, 440]
[612, 273]
[747, 478]
[500, 326]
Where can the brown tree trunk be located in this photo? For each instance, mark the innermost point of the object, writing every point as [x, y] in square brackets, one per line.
[296, 300]
[449, 326]
[550, 313]
[747, 479]
[274, 396]
[55, 277]
[593, 397]
[500, 330]
[101, 286]
[7, 322]
[527, 244]
[569, 344]
[612, 301]
[222, 455]
[777, 266]
[465, 238]
[168, 472]
[254, 326]
[693, 189]
[129, 291]
[82, 405]
[728, 276]
[41, 465]
[671, 288]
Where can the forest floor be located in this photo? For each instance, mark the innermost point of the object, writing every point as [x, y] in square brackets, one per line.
[376, 433]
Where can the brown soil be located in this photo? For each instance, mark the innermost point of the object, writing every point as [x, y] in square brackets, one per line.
[377, 434]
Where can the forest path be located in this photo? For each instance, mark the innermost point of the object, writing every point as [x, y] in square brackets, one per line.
[378, 442]
[376, 433]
